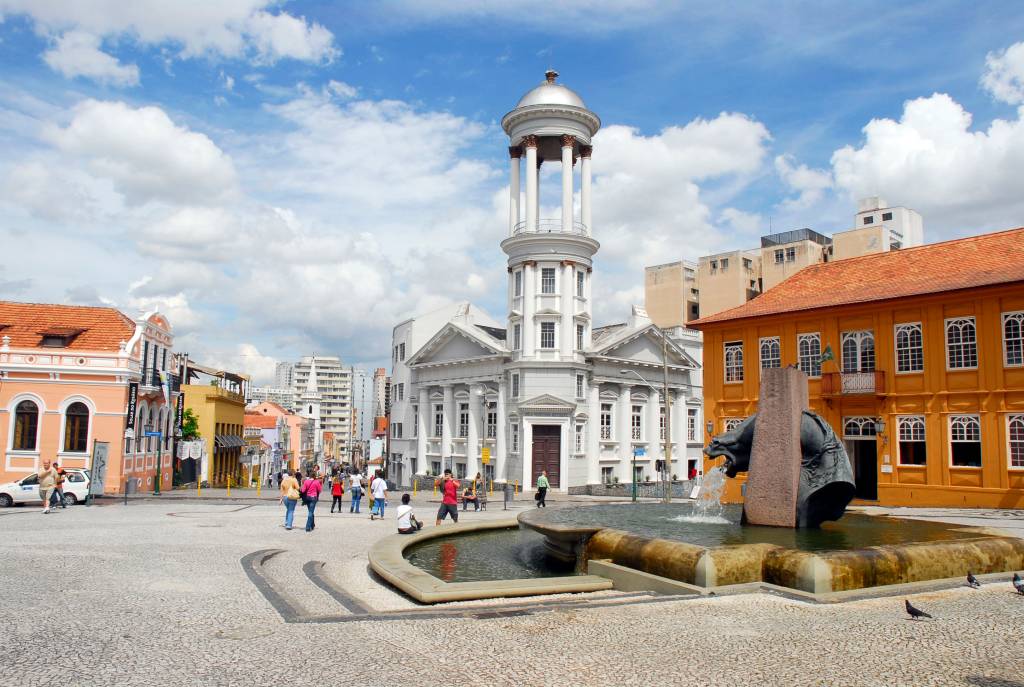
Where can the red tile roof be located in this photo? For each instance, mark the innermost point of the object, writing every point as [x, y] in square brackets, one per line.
[101, 329]
[260, 420]
[985, 260]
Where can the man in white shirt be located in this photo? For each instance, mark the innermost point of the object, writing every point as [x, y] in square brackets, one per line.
[407, 522]
[379, 491]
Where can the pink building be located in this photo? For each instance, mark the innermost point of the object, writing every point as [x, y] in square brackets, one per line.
[68, 375]
[291, 431]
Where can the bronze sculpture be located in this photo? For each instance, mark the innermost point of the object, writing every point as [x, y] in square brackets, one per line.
[826, 477]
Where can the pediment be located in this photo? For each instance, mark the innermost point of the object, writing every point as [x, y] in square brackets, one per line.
[547, 401]
[453, 344]
[644, 346]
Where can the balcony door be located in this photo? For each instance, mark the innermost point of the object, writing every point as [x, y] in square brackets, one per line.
[859, 439]
[859, 351]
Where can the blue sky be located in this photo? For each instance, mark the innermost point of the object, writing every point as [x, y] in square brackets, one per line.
[282, 178]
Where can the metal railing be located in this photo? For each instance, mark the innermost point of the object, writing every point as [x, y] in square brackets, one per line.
[852, 383]
[550, 226]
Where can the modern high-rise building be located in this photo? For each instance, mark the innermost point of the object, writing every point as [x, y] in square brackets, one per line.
[334, 386]
[284, 397]
[362, 406]
[284, 376]
[680, 292]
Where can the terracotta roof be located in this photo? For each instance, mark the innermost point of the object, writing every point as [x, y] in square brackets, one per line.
[985, 260]
[102, 329]
[260, 420]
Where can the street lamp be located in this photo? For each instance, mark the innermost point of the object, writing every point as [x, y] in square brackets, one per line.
[666, 463]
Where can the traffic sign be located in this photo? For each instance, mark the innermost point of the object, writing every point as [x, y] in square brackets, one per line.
[153, 434]
[485, 456]
[639, 451]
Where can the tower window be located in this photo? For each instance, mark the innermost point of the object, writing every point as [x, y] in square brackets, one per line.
[547, 334]
[580, 283]
[870, 219]
[517, 282]
[547, 280]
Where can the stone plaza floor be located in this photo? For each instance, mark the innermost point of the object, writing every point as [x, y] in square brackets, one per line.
[156, 593]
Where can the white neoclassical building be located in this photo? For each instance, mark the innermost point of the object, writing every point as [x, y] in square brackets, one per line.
[546, 389]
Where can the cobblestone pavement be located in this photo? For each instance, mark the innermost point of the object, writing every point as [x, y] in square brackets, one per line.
[155, 594]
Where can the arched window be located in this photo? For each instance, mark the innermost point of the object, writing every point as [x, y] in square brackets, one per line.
[151, 426]
[961, 344]
[76, 428]
[140, 429]
[26, 426]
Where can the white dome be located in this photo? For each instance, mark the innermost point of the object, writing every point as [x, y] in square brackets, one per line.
[551, 93]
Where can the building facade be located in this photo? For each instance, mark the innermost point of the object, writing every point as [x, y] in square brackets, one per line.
[926, 387]
[217, 398]
[548, 390]
[68, 375]
[281, 396]
[334, 387]
[292, 429]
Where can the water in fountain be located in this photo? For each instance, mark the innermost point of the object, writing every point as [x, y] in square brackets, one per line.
[708, 506]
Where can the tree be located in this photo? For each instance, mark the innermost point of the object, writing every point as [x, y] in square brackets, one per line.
[189, 426]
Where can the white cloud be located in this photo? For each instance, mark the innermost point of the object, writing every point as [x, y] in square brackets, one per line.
[810, 184]
[1004, 74]
[238, 29]
[931, 160]
[145, 154]
[743, 222]
[648, 205]
[77, 53]
[342, 89]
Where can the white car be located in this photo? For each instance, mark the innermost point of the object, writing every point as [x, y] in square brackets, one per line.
[26, 490]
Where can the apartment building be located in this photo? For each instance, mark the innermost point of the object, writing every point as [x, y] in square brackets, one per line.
[671, 290]
[334, 386]
[726, 280]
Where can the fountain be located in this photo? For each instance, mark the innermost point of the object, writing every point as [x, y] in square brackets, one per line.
[791, 532]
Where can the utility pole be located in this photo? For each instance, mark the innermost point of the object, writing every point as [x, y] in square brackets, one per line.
[666, 464]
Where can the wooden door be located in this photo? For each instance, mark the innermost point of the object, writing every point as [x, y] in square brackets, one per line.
[547, 450]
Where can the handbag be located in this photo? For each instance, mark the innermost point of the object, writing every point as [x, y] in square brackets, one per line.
[536, 496]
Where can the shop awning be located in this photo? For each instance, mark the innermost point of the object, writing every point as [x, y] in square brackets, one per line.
[228, 441]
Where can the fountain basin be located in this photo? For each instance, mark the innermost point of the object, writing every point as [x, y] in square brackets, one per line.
[857, 552]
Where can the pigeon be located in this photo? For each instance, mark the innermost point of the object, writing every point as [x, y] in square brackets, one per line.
[972, 581]
[915, 613]
[1018, 584]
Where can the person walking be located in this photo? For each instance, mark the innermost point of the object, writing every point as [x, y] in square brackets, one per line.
[58, 491]
[289, 497]
[47, 482]
[311, 489]
[337, 491]
[379, 490]
[449, 498]
[542, 489]
[407, 522]
[355, 490]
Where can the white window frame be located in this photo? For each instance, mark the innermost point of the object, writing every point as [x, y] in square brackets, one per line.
[1015, 423]
[730, 423]
[607, 473]
[733, 359]
[513, 434]
[581, 385]
[463, 420]
[517, 284]
[415, 421]
[858, 340]
[517, 336]
[581, 284]
[909, 328]
[581, 333]
[961, 323]
[554, 281]
[774, 345]
[607, 420]
[636, 422]
[554, 335]
[579, 438]
[491, 424]
[812, 360]
[907, 429]
[691, 424]
[1018, 317]
[661, 422]
[438, 420]
[963, 423]
[791, 254]
[780, 256]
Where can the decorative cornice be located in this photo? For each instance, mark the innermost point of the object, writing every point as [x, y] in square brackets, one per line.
[515, 152]
[530, 141]
[585, 151]
[568, 140]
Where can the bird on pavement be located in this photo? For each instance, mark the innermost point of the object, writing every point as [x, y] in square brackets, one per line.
[915, 613]
[1018, 584]
[972, 581]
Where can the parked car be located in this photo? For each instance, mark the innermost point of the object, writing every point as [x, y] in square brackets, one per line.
[26, 490]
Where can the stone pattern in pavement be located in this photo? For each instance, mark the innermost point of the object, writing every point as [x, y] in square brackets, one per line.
[130, 595]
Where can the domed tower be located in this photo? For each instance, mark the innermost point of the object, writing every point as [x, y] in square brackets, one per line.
[549, 259]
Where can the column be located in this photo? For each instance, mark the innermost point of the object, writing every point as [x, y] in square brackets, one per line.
[422, 420]
[532, 172]
[499, 440]
[529, 305]
[652, 427]
[585, 152]
[536, 206]
[679, 439]
[515, 153]
[593, 433]
[622, 424]
[567, 145]
[473, 435]
[448, 415]
[568, 343]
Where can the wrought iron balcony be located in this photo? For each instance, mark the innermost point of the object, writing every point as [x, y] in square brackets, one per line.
[151, 378]
[852, 383]
[550, 226]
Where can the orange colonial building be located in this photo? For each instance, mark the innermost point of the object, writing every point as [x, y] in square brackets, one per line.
[65, 376]
[927, 385]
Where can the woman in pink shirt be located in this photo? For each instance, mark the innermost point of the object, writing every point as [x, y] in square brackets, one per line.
[311, 489]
